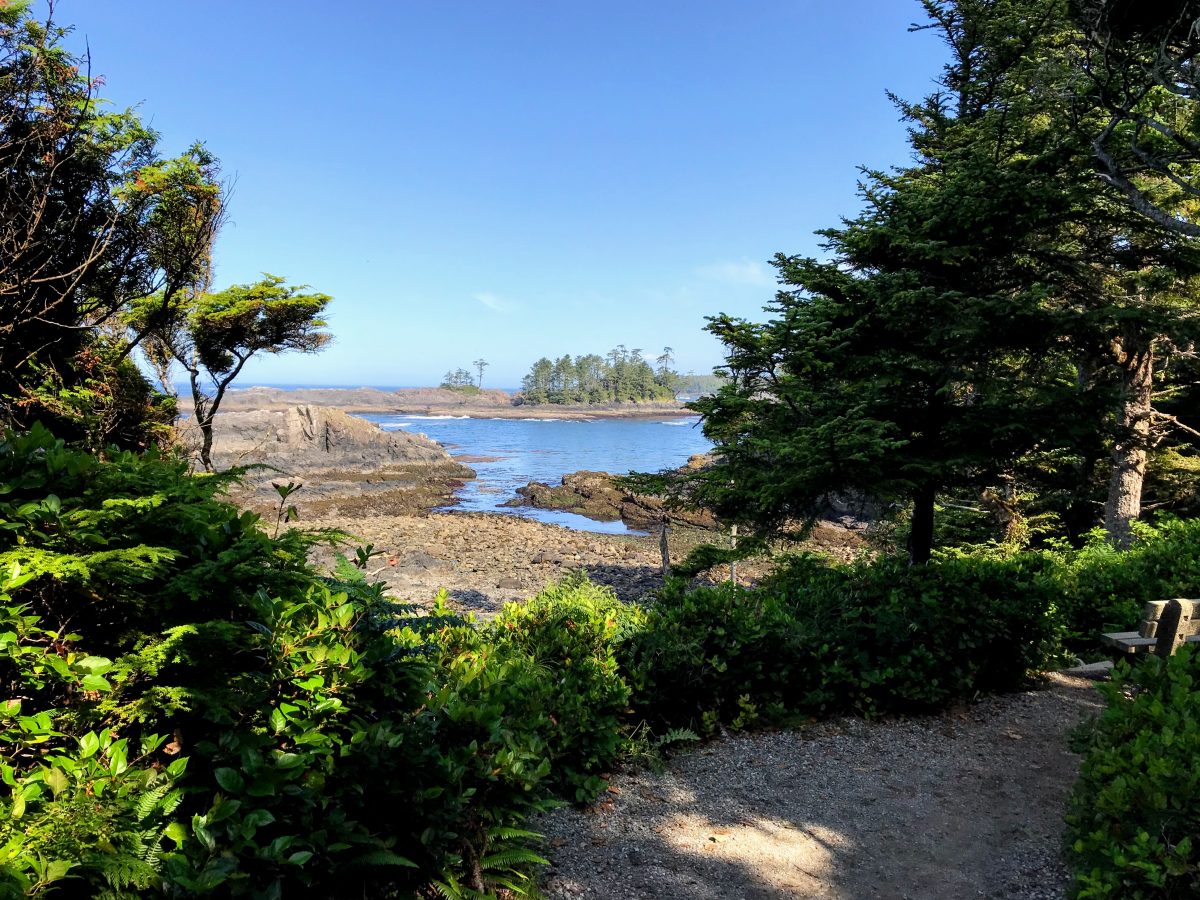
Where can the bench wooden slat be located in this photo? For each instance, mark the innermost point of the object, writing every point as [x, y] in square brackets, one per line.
[1129, 641]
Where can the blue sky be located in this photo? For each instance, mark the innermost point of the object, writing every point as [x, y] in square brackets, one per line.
[517, 179]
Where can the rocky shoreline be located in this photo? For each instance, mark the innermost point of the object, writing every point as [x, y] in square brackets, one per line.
[390, 489]
[600, 496]
[487, 404]
[341, 465]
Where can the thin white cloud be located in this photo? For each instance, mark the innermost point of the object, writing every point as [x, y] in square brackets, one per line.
[494, 303]
[746, 272]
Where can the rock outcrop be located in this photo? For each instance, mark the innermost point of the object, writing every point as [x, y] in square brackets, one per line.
[598, 496]
[321, 438]
[343, 461]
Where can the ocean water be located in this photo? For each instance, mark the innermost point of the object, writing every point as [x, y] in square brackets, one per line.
[518, 451]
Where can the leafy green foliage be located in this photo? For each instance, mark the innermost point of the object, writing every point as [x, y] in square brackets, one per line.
[296, 713]
[701, 650]
[1135, 811]
[573, 630]
[1100, 589]
[868, 638]
[253, 728]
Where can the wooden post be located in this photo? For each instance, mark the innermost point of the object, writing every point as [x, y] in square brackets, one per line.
[733, 546]
[666, 550]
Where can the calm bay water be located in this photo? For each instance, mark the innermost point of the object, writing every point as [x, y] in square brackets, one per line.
[545, 449]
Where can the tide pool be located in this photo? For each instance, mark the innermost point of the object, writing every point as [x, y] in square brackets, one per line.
[510, 453]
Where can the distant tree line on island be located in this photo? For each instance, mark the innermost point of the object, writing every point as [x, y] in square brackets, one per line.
[461, 379]
[621, 376]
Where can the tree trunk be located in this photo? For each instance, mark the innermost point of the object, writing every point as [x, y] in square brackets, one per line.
[203, 419]
[1129, 453]
[920, 535]
[664, 549]
[206, 438]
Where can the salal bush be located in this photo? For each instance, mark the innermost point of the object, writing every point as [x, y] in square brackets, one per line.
[1135, 811]
[572, 633]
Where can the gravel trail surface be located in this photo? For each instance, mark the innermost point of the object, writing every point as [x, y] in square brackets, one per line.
[962, 805]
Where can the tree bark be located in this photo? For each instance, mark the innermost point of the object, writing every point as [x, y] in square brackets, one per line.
[1129, 452]
[920, 535]
[664, 549]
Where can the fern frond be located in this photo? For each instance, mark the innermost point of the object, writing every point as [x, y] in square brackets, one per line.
[507, 833]
[151, 799]
[508, 859]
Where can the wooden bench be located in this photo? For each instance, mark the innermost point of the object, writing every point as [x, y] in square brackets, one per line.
[1165, 627]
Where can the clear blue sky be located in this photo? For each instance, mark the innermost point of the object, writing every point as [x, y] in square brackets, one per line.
[516, 179]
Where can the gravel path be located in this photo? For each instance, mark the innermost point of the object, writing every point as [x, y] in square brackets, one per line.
[962, 805]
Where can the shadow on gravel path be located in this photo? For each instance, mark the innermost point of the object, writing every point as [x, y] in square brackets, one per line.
[961, 805]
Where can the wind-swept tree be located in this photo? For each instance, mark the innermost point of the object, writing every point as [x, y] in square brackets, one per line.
[213, 336]
[992, 283]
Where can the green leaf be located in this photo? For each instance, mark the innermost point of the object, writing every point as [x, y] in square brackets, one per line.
[56, 779]
[177, 833]
[230, 780]
[257, 818]
[384, 858]
[89, 744]
[200, 830]
[95, 683]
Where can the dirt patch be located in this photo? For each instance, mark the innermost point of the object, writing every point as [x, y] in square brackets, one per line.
[486, 560]
[966, 804]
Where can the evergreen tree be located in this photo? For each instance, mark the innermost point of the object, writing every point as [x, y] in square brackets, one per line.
[922, 357]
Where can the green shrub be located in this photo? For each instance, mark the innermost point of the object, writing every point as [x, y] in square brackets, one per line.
[199, 711]
[883, 636]
[480, 761]
[701, 651]
[1102, 589]
[870, 638]
[80, 807]
[1135, 812]
[572, 631]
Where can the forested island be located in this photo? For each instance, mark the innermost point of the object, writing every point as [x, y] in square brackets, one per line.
[620, 376]
[990, 381]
